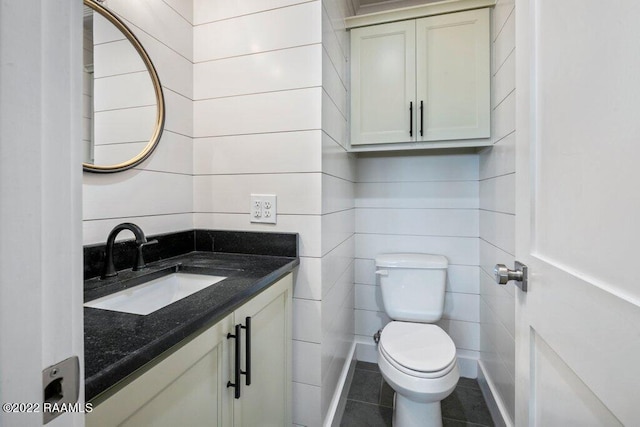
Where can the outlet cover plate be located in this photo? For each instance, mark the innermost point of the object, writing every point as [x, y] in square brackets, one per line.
[263, 208]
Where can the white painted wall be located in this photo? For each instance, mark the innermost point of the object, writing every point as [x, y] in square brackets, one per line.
[257, 121]
[338, 207]
[270, 117]
[420, 202]
[124, 101]
[497, 219]
[157, 195]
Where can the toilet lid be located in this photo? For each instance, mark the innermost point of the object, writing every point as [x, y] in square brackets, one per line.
[418, 346]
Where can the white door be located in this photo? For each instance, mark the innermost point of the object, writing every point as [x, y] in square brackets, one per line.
[578, 212]
[40, 202]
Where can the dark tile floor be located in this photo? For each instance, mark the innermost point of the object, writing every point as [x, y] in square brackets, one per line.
[370, 402]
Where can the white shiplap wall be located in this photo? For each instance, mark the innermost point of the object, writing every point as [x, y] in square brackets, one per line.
[124, 102]
[338, 208]
[420, 202]
[497, 220]
[157, 195]
[270, 117]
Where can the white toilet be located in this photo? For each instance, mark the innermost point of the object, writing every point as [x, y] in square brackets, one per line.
[417, 359]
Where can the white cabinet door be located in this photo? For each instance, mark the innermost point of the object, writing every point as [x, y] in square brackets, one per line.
[422, 80]
[383, 83]
[186, 387]
[453, 76]
[267, 400]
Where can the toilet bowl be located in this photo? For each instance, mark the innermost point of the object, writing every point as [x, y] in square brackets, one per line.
[418, 362]
[416, 357]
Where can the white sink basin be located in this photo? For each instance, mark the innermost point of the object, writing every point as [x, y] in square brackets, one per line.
[155, 294]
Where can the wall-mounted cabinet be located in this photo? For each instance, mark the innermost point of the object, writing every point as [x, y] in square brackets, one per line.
[422, 81]
[189, 384]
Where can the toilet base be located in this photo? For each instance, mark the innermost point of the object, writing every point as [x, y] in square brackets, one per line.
[409, 413]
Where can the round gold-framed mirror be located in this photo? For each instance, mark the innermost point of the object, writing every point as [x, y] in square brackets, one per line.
[123, 102]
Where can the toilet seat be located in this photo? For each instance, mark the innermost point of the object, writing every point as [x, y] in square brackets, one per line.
[418, 374]
[418, 349]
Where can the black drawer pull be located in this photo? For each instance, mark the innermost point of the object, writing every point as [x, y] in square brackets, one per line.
[410, 118]
[421, 118]
[237, 371]
[247, 351]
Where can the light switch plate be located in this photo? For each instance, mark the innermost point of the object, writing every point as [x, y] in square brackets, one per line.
[263, 208]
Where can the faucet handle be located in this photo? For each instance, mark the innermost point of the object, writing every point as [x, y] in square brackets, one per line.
[139, 263]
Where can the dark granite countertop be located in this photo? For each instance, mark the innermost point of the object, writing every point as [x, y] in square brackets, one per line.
[117, 344]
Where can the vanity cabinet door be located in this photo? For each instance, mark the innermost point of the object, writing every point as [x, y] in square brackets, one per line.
[267, 400]
[453, 76]
[185, 387]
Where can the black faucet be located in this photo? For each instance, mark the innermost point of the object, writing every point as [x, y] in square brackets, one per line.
[141, 241]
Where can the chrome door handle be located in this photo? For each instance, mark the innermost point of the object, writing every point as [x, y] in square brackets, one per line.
[519, 275]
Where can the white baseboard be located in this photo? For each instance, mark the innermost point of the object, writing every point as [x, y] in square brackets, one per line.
[366, 350]
[467, 365]
[495, 404]
[339, 400]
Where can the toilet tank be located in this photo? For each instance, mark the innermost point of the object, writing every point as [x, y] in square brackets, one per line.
[413, 285]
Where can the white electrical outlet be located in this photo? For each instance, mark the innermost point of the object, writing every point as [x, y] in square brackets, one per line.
[256, 208]
[263, 208]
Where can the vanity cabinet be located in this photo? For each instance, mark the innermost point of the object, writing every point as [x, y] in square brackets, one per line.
[421, 80]
[188, 385]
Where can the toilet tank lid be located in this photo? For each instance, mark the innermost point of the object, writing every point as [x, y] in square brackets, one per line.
[411, 260]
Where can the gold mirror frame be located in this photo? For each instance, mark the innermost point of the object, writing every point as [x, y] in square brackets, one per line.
[160, 116]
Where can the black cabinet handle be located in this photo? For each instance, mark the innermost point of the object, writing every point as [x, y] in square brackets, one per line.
[421, 118]
[247, 351]
[410, 118]
[237, 370]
